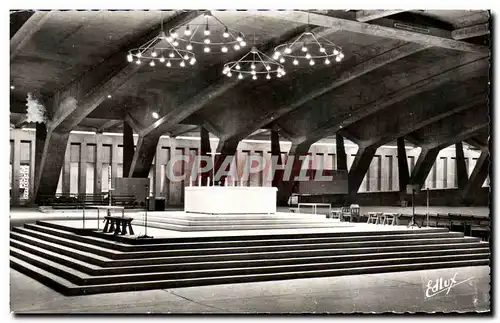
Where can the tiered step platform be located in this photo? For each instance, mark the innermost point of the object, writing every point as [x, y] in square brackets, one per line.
[82, 261]
[186, 222]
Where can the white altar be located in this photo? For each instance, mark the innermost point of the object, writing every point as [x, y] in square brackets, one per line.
[230, 199]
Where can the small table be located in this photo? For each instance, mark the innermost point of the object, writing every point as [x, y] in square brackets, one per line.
[118, 225]
[104, 207]
[315, 206]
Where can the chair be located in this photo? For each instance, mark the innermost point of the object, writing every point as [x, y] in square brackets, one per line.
[354, 209]
[335, 214]
[345, 212]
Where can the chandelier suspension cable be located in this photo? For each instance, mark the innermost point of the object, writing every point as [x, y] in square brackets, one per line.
[215, 35]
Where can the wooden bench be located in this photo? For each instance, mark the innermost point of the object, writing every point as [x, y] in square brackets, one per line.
[118, 225]
[124, 200]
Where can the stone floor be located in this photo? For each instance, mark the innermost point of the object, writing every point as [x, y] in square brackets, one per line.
[375, 293]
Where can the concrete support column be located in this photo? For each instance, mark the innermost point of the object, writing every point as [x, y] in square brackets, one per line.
[359, 168]
[477, 177]
[286, 186]
[275, 153]
[461, 167]
[51, 162]
[226, 153]
[205, 150]
[40, 136]
[403, 173]
[98, 164]
[426, 159]
[341, 155]
[143, 156]
[128, 148]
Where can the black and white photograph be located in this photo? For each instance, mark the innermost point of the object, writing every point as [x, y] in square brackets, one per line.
[243, 160]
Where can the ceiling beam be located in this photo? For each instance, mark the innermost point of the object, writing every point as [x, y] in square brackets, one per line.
[476, 143]
[216, 89]
[344, 118]
[108, 125]
[183, 130]
[342, 23]
[304, 94]
[27, 30]
[457, 137]
[211, 128]
[367, 15]
[82, 96]
[22, 122]
[132, 123]
[403, 123]
[469, 121]
[472, 31]
[282, 132]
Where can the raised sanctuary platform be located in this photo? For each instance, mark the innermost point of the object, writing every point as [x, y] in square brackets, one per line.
[76, 262]
[230, 200]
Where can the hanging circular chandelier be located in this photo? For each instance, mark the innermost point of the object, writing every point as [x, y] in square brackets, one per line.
[254, 63]
[213, 35]
[307, 49]
[160, 51]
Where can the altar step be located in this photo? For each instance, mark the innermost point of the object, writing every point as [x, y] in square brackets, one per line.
[180, 221]
[78, 264]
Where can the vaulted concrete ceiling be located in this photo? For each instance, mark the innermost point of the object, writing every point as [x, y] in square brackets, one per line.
[395, 63]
